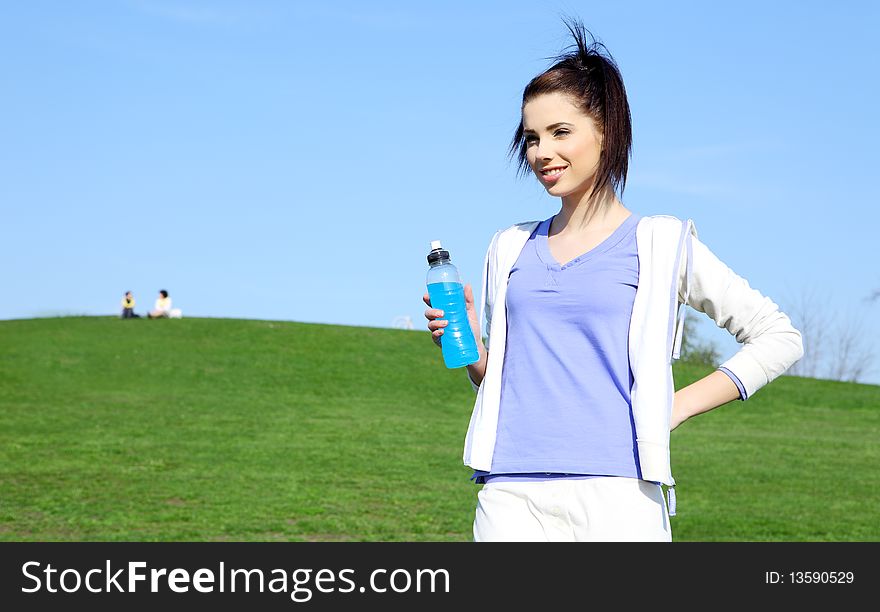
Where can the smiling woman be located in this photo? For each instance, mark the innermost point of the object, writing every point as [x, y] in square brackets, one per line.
[575, 399]
[586, 86]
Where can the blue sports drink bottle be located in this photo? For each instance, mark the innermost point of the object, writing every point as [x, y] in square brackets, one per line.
[447, 294]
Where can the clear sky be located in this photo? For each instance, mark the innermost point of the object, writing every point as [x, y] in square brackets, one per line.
[293, 160]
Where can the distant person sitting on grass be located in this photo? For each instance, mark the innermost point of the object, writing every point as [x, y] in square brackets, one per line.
[128, 307]
[162, 308]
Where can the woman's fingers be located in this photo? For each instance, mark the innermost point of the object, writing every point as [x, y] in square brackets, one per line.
[436, 328]
[431, 313]
[435, 323]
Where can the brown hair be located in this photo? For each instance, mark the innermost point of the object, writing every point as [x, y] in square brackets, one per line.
[590, 77]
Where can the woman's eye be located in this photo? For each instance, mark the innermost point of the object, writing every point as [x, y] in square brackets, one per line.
[531, 139]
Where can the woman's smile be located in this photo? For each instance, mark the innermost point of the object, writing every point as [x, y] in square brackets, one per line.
[551, 175]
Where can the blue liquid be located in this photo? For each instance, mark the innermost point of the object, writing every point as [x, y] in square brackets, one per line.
[457, 342]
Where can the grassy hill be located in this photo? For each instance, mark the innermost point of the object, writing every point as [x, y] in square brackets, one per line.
[219, 429]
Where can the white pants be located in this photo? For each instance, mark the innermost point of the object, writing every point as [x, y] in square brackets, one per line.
[604, 509]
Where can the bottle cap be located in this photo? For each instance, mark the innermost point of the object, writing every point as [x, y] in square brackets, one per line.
[437, 254]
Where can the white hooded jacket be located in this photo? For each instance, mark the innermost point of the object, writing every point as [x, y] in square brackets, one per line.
[675, 268]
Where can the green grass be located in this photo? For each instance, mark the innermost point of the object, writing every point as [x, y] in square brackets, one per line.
[219, 429]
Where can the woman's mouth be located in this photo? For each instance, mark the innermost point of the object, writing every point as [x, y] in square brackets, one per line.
[551, 175]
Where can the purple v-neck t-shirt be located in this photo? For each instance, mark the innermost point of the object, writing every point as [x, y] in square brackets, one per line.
[565, 387]
[566, 410]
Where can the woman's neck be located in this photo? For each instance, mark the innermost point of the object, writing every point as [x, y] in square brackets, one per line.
[584, 213]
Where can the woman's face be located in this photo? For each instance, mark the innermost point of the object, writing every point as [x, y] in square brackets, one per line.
[559, 136]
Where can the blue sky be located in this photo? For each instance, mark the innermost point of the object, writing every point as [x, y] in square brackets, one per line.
[293, 161]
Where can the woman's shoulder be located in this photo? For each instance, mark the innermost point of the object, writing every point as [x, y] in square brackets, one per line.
[512, 233]
[516, 228]
[661, 220]
[667, 223]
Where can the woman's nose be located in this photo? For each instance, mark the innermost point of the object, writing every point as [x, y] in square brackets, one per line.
[543, 152]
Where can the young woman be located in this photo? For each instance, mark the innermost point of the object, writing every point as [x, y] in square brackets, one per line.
[162, 308]
[575, 399]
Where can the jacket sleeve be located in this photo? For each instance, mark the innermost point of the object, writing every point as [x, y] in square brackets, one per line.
[771, 344]
[486, 302]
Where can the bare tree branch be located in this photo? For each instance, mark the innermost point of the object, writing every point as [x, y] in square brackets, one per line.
[853, 356]
[810, 318]
[835, 347]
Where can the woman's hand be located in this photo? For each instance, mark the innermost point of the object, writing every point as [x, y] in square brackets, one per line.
[436, 322]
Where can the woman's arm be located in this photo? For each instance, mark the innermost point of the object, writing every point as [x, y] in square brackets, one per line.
[707, 393]
[771, 344]
[477, 371]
